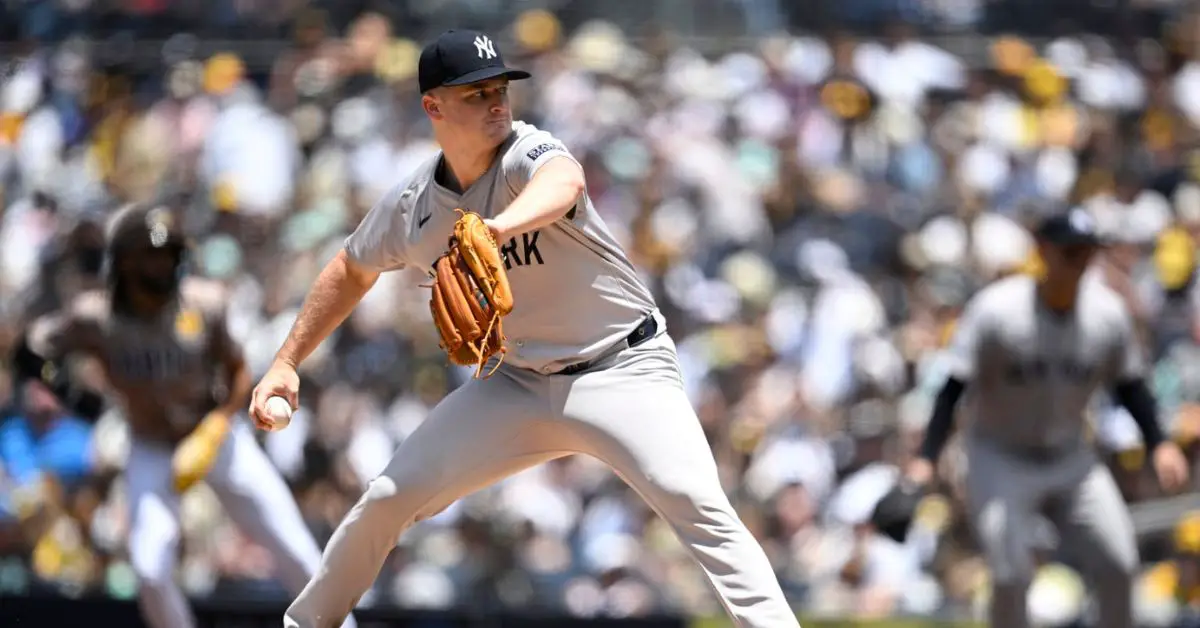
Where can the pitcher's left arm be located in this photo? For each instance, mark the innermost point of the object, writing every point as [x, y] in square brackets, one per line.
[548, 183]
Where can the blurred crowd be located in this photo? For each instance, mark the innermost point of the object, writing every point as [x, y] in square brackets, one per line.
[812, 212]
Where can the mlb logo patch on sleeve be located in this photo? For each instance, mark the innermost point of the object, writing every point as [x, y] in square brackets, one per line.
[539, 150]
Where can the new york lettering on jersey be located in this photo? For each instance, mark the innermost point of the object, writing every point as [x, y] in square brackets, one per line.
[1021, 373]
[525, 253]
[1033, 372]
[575, 264]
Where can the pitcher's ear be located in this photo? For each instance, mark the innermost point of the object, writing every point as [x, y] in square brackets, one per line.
[431, 105]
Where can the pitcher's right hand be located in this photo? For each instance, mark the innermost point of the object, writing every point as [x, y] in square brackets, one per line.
[281, 380]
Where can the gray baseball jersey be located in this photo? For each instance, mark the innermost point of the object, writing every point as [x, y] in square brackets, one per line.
[575, 292]
[1032, 371]
[1032, 374]
[577, 299]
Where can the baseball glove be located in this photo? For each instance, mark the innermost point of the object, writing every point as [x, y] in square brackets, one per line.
[471, 295]
[893, 515]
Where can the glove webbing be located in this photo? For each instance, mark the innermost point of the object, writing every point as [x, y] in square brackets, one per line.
[487, 335]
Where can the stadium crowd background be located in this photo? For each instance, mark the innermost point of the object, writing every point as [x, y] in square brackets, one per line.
[812, 210]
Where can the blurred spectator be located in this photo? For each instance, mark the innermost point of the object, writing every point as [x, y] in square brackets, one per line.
[39, 438]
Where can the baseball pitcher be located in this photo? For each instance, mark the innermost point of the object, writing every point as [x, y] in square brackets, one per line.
[571, 353]
[180, 381]
[1030, 353]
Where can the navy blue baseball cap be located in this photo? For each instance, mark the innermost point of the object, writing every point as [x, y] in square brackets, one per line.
[1072, 227]
[462, 57]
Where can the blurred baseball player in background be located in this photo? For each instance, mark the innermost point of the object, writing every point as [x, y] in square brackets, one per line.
[589, 366]
[181, 383]
[1030, 352]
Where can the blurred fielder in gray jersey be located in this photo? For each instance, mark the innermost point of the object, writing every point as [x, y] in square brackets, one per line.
[1030, 353]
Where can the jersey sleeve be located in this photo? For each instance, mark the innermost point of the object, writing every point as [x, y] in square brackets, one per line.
[967, 341]
[528, 154]
[378, 243]
[1128, 356]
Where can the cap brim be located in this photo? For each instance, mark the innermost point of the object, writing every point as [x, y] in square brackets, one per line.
[484, 74]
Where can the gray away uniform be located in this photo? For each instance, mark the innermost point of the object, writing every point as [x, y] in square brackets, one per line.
[590, 369]
[1032, 374]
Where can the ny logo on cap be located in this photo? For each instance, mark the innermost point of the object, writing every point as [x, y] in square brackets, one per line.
[484, 46]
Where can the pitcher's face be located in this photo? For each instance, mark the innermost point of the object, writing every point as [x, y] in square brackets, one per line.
[478, 113]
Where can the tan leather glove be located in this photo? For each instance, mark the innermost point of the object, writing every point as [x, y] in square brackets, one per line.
[471, 295]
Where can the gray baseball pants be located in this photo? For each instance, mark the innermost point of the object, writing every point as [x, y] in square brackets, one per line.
[1007, 493]
[629, 411]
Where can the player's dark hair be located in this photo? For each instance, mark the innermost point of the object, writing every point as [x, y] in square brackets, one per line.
[139, 227]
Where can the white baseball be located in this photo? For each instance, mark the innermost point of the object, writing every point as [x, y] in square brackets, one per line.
[279, 412]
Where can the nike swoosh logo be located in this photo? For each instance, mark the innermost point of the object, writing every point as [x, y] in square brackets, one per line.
[421, 222]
